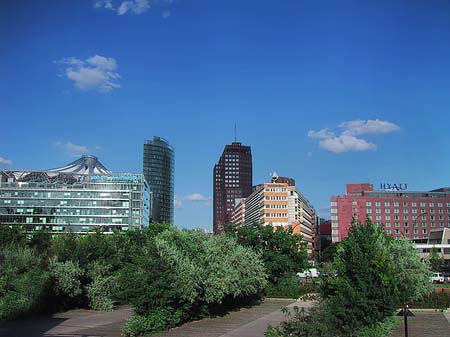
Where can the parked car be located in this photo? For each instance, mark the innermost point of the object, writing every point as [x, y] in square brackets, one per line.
[437, 278]
[309, 273]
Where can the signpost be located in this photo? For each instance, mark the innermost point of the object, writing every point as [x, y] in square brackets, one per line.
[405, 312]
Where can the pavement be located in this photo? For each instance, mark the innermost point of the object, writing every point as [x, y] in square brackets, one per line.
[73, 323]
[248, 322]
[425, 324]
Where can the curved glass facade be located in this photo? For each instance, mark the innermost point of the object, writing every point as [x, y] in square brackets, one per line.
[159, 161]
[60, 201]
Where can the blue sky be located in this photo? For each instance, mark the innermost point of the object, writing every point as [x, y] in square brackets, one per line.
[326, 92]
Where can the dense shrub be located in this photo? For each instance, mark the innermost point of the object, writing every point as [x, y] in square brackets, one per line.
[22, 281]
[432, 301]
[66, 277]
[289, 286]
[189, 274]
[282, 251]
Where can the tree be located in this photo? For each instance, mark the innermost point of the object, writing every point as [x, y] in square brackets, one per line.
[436, 260]
[282, 251]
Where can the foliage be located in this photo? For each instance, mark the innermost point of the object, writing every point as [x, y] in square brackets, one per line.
[155, 321]
[22, 281]
[432, 301]
[436, 260]
[378, 329]
[375, 274]
[12, 236]
[411, 277]
[289, 286]
[66, 277]
[365, 291]
[300, 323]
[102, 288]
[282, 251]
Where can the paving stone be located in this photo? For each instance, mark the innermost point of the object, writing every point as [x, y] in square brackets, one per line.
[425, 324]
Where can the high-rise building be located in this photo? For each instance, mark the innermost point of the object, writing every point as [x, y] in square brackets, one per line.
[279, 205]
[232, 180]
[159, 159]
[402, 213]
[78, 198]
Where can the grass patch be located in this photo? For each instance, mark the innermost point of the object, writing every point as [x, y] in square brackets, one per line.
[441, 285]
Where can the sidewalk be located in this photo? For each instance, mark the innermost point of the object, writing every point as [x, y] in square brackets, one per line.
[425, 324]
[246, 322]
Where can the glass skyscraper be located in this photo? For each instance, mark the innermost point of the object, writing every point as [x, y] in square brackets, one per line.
[158, 166]
[78, 198]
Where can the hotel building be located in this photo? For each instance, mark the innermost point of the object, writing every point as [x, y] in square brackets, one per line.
[403, 213]
[77, 198]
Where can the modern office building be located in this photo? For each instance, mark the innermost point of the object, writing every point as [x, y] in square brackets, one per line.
[79, 198]
[232, 180]
[279, 205]
[159, 165]
[403, 213]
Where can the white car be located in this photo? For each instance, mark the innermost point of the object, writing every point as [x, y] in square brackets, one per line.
[310, 273]
[437, 278]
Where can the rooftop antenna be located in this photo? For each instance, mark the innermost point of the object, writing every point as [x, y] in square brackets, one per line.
[235, 132]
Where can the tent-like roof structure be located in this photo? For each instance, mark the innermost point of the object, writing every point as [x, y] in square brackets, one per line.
[86, 165]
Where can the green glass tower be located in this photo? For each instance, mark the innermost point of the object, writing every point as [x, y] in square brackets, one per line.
[159, 159]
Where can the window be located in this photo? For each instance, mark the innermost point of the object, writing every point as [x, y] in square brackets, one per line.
[405, 210]
[387, 204]
[395, 203]
[388, 231]
[387, 211]
[396, 210]
[416, 231]
[405, 203]
[424, 231]
[406, 224]
[431, 204]
[405, 217]
[369, 210]
[388, 217]
[377, 203]
[414, 204]
[378, 210]
[378, 217]
[368, 203]
[388, 224]
[397, 224]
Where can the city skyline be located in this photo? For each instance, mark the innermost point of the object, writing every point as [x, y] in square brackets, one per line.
[325, 94]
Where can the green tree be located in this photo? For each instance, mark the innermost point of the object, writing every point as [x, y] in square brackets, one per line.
[436, 260]
[22, 281]
[282, 251]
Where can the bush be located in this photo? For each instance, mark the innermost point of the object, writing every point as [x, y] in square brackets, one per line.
[379, 329]
[103, 287]
[66, 277]
[22, 281]
[432, 301]
[289, 286]
[153, 322]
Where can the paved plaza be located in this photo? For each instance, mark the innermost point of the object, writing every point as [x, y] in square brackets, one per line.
[425, 324]
[246, 322]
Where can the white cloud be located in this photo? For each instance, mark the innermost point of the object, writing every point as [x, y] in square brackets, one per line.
[96, 73]
[195, 197]
[321, 134]
[347, 141]
[360, 127]
[166, 14]
[4, 161]
[130, 6]
[72, 149]
[178, 203]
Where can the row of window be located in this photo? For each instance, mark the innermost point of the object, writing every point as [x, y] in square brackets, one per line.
[276, 197]
[276, 215]
[405, 204]
[277, 206]
[406, 210]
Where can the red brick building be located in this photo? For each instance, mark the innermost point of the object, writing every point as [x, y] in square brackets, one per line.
[402, 213]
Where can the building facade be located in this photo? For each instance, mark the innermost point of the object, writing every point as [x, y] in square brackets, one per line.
[279, 205]
[232, 180]
[403, 214]
[78, 198]
[158, 168]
